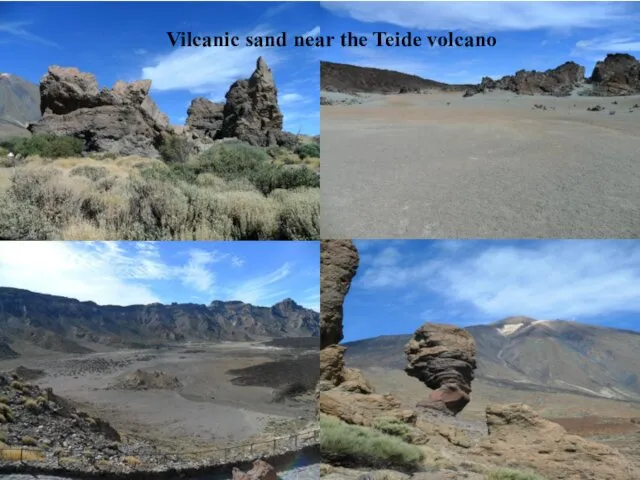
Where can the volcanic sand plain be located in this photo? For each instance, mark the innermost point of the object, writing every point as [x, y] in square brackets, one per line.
[494, 165]
[227, 393]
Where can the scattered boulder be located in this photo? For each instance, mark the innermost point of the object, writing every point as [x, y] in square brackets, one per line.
[123, 120]
[617, 74]
[595, 108]
[25, 373]
[338, 265]
[251, 111]
[443, 358]
[261, 471]
[143, 380]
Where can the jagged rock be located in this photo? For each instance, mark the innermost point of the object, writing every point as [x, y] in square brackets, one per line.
[123, 120]
[617, 74]
[143, 380]
[331, 366]
[261, 471]
[204, 120]
[443, 358]
[251, 111]
[559, 81]
[518, 436]
[354, 381]
[338, 265]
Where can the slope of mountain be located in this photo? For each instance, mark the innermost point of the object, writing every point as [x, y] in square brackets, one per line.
[68, 325]
[350, 78]
[521, 352]
[19, 102]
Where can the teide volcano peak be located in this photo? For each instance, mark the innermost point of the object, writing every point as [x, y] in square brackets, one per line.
[69, 325]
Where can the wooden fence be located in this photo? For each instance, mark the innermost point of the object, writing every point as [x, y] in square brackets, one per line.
[213, 456]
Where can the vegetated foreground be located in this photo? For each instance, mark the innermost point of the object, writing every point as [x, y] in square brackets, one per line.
[491, 165]
[88, 167]
[165, 405]
[232, 191]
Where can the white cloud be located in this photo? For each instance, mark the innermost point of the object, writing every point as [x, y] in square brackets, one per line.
[71, 270]
[564, 279]
[207, 69]
[289, 98]
[485, 16]
[262, 290]
[608, 45]
[315, 31]
[195, 273]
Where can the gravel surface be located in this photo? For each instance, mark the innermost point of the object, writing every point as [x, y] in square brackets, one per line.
[488, 166]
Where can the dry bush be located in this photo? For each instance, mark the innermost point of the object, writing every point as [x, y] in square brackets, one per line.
[16, 455]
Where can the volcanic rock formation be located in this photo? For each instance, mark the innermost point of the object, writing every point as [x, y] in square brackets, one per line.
[559, 81]
[123, 120]
[204, 120]
[338, 265]
[617, 74]
[443, 358]
[251, 112]
[519, 436]
[261, 471]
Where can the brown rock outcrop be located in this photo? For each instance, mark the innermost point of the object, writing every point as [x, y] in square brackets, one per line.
[122, 120]
[518, 436]
[204, 121]
[443, 358]
[559, 81]
[338, 265]
[617, 74]
[361, 408]
[251, 112]
[261, 471]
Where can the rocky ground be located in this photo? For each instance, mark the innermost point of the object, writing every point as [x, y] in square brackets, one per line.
[367, 434]
[160, 426]
[490, 165]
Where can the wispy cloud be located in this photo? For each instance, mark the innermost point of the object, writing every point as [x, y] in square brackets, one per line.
[313, 32]
[262, 290]
[19, 30]
[609, 44]
[207, 70]
[485, 16]
[561, 279]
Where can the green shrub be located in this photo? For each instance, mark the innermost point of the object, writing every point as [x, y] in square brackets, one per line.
[392, 426]
[32, 406]
[298, 213]
[29, 441]
[47, 146]
[356, 446]
[16, 385]
[176, 149]
[510, 474]
[306, 150]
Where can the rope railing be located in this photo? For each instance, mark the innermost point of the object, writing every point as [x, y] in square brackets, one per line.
[217, 455]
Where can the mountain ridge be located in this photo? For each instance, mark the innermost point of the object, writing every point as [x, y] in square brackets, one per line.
[550, 355]
[69, 325]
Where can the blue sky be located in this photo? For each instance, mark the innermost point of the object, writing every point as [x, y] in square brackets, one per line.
[402, 284]
[128, 41]
[126, 273]
[530, 35]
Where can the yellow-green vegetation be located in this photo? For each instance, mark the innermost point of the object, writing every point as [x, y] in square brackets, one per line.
[351, 445]
[510, 474]
[17, 455]
[28, 441]
[5, 413]
[16, 385]
[3, 419]
[4, 400]
[392, 426]
[41, 400]
[32, 405]
[132, 461]
[2, 437]
[232, 191]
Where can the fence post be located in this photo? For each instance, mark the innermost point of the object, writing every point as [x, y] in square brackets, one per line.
[251, 449]
[274, 445]
[295, 441]
[21, 450]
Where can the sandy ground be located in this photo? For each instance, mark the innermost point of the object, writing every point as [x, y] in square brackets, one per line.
[208, 408]
[488, 166]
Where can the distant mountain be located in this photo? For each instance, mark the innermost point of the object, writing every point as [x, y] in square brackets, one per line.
[19, 102]
[521, 352]
[350, 78]
[68, 325]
